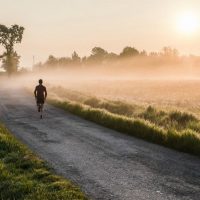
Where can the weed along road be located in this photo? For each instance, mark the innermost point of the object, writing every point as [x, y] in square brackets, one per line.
[104, 163]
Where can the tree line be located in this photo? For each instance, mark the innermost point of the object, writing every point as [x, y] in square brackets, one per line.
[100, 56]
[9, 36]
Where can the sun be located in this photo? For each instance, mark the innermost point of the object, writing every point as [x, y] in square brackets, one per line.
[188, 23]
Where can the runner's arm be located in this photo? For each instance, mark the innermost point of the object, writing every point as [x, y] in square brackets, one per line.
[35, 92]
[45, 93]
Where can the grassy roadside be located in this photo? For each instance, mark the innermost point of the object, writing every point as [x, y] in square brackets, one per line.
[185, 140]
[24, 176]
[168, 119]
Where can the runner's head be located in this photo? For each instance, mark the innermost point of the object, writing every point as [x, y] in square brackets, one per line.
[40, 81]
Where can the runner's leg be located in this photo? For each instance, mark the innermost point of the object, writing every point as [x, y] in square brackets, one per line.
[41, 110]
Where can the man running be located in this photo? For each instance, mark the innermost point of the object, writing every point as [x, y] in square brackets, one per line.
[40, 94]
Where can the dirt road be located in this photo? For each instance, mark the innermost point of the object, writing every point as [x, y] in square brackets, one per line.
[104, 163]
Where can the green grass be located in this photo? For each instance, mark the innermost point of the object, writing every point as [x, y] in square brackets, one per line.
[186, 140]
[171, 120]
[25, 176]
[175, 120]
[117, 107]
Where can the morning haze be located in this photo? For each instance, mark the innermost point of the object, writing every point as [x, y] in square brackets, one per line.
[107, 92]
[60, 27]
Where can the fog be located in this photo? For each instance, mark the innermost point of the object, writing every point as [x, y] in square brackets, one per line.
[145, 83]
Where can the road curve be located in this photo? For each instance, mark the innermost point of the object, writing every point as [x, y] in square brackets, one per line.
[104, 163]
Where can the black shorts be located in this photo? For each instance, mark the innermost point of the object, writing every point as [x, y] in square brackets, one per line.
[40, 100]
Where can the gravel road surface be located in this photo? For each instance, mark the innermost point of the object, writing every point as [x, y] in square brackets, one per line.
[104, 163]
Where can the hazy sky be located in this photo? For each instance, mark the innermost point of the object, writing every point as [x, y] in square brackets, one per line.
[59, 27]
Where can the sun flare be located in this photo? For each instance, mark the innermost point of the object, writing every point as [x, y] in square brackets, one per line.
[188, 23]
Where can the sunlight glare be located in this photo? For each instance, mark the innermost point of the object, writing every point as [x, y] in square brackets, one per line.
[188, 23]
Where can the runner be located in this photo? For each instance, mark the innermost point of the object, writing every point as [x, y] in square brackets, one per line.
[40, 96]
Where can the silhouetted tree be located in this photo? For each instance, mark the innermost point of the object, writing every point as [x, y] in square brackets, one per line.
[99, 51]
[75, 58]
[10, 62]
[8, 38]
[169, 52]
[64, 61]
[129, 52]
[111, 56]
[143, 53]
[98, 54]
[153, 54]
[52, 61]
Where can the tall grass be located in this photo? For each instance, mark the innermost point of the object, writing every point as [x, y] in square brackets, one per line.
[186, 140]
[176, 120]
[171, 120]
[24, 176]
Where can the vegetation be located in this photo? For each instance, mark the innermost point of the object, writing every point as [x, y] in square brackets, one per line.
[100, 56]
[24, 176]
[174, 129]
[166, 119]
[8, 38]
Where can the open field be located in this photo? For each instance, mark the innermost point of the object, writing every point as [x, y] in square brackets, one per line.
[170, 120]
[166, 94]
[25, 176]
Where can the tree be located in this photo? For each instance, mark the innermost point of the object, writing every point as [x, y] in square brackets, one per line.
[169, 52]
[153, 54]
[10, 62]
[8, 38]
[129, 52]
[75, 58]
[51, 62]
[98, 51]
[64, 61]
[98, 54]
[111, 56]
[143, 53]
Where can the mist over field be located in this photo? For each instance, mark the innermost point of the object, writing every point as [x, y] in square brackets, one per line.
[144, 81]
